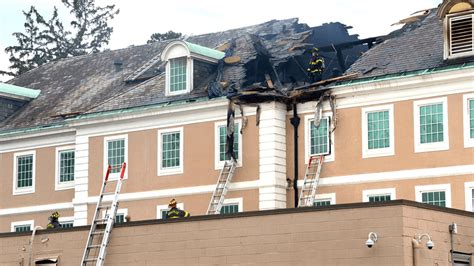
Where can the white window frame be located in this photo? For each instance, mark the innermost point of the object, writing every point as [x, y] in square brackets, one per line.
[447, 37]
[28, 190]
[468, 187]
[434, 188]
[66, 219]
[113, 176]
[307, 145]
[435, 146]
[58, 184]
[189, 79]
[325, 197]
[123, 211]
[468, 141]
[389, 151]
[174, 170]
[31, 223]
[238, 201]
[160, 208]
[218, 164]
[378, 192]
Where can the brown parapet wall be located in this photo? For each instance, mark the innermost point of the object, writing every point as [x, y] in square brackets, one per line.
[306, 236]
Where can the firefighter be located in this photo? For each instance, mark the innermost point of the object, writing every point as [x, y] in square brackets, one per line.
[316, 66]
[174, 212]
[53, 221]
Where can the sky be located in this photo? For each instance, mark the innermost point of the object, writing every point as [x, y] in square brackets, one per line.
[138, 19]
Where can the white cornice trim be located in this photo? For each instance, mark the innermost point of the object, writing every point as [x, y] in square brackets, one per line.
[256, 184]
[396, 175]
[37, 208]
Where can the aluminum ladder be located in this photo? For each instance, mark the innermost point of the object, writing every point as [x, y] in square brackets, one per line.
[311, 180]
[99, 235]
[222, 186]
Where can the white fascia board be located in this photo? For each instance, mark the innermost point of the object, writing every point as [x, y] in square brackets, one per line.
[35, 141]
[192, 109]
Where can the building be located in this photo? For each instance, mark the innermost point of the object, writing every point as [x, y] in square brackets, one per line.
[402, 125]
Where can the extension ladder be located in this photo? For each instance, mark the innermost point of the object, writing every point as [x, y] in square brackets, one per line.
[96, 246]
[222, 186]
[311, 180]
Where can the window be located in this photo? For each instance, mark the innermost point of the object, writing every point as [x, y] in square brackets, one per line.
[376, 195]
[460, 35]
[220, 143]
[116, 153]
[468, 107]
[170, 151]
[439, 195]
[66, 222]
[178, 74]
[229, 208]
[322, 202]
[232, 205]
[469, 196]
[24, 173]
[378, 131]
[162, 210]
[67, 225]
[120, 216]
[431, 120]
[325, 199]
[319, 141]
[65, 157]
[22, 226]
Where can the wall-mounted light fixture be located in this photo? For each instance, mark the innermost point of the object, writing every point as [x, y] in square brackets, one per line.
[429, 244]
[371, 239]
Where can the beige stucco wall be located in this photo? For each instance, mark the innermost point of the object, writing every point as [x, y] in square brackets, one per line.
[40, 218]
[45, 192]
[199, 166]
[349, 161]
[324, 236]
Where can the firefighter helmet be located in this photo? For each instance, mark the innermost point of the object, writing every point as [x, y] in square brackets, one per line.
[55, 215]
[172, 203]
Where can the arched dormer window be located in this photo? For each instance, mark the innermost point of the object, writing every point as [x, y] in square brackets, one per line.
[458, 17]
[180, 57]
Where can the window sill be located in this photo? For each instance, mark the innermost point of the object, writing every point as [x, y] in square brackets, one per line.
[377, 153]
[23, 191]
[170, 171]
[429, 147]
[64, 186]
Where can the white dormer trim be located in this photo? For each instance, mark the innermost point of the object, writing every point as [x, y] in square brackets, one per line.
[448, 43]
[175, 50]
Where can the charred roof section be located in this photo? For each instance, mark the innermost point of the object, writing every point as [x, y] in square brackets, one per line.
[271, 57]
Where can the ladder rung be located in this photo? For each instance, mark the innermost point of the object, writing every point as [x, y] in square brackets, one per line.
[105, 206]
[101, 220]
[108, 193]
[93, 246]
[98, 233]
[91, 260]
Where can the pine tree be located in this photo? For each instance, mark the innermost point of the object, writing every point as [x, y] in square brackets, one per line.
[158, 37]
[48, 40]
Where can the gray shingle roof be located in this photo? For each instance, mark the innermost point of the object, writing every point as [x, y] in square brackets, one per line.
[416, 46]
[92, 83]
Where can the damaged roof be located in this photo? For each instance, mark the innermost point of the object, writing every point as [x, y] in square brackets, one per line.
[134, 76]
[416, 46]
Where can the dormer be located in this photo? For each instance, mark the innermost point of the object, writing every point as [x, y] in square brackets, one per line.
[12, 98]
[185, 63]
[457, 16]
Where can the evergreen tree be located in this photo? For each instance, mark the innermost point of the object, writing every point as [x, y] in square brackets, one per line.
[48, 40]
[158, 37]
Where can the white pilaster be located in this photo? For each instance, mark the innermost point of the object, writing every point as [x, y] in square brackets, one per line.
[81, 193]
[272, 156]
